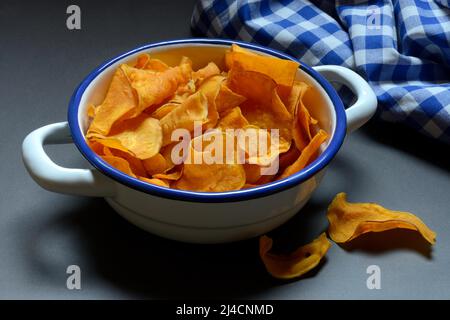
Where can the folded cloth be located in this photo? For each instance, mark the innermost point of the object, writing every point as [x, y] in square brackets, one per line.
[402, 47]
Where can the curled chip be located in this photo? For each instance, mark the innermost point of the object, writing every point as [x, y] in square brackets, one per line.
[306, 155]
[282, 71]
[141, 137]
[164, 110]
[119, 101]
[154, 110]
[120, 164]
[156, 164]
[136, 165]
[295, 97]
[210, 88]
[202, 174]
[153, 87]
[227, 99]
[263, 107]
[211, 69]
[302, 119]
[296, 263]
[350, 220]
[195, 108]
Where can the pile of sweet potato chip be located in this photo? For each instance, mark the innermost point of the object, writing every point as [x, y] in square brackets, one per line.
[147, 101]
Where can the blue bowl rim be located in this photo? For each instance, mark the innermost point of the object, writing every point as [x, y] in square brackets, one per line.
[230, 196]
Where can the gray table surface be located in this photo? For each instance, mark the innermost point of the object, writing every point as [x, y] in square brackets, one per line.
[41, 233]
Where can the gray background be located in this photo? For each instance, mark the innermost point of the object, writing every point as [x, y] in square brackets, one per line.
[41, 233]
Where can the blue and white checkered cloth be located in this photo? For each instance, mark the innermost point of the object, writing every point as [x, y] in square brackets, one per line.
[402, 47]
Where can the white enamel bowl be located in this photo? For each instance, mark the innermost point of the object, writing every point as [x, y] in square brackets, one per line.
[195, 216]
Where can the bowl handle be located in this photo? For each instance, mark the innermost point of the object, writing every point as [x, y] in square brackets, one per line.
[366, 101]
[55, 178]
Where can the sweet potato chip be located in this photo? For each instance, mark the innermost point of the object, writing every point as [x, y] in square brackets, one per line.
[307, 154]
[212, 177]
[296, 263]
[227, 99]
[264, 107]
[156, 164]
[210, 88]
[153, 87]
[302, 121]
[209, 177]
[211, 69]
[136, 164]
[195, 108]
[120, 164]
[164, 110]
[350, 220]
[142, 60]
[298, 90]
[96, 147]
[91, 110]
[252, 173]
[119, 101]
[257, 144]
[282, 71]
[156, 65]
[141, 137]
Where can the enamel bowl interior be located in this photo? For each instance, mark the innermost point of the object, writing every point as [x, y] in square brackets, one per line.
[318, 101]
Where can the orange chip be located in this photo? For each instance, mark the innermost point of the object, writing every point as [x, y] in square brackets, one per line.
[91, 109]
[209, 70]
[168, 156]
[350, 220]
[195, 108]
[119, 101]
[156, 164]
[120, 164]
[227, 99]
[153, 87]
[213, 177]
[233, 120]
[141, 137]
[142, 61]
[302, 122]
[295, 97]
[282, 71]
[156, 65]
[257, 144]
[164, 110]
[252, 173]
[96, 147]
[210, 88]
[307, 154]
[264, 107]
[136, 164]
[296, 263]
